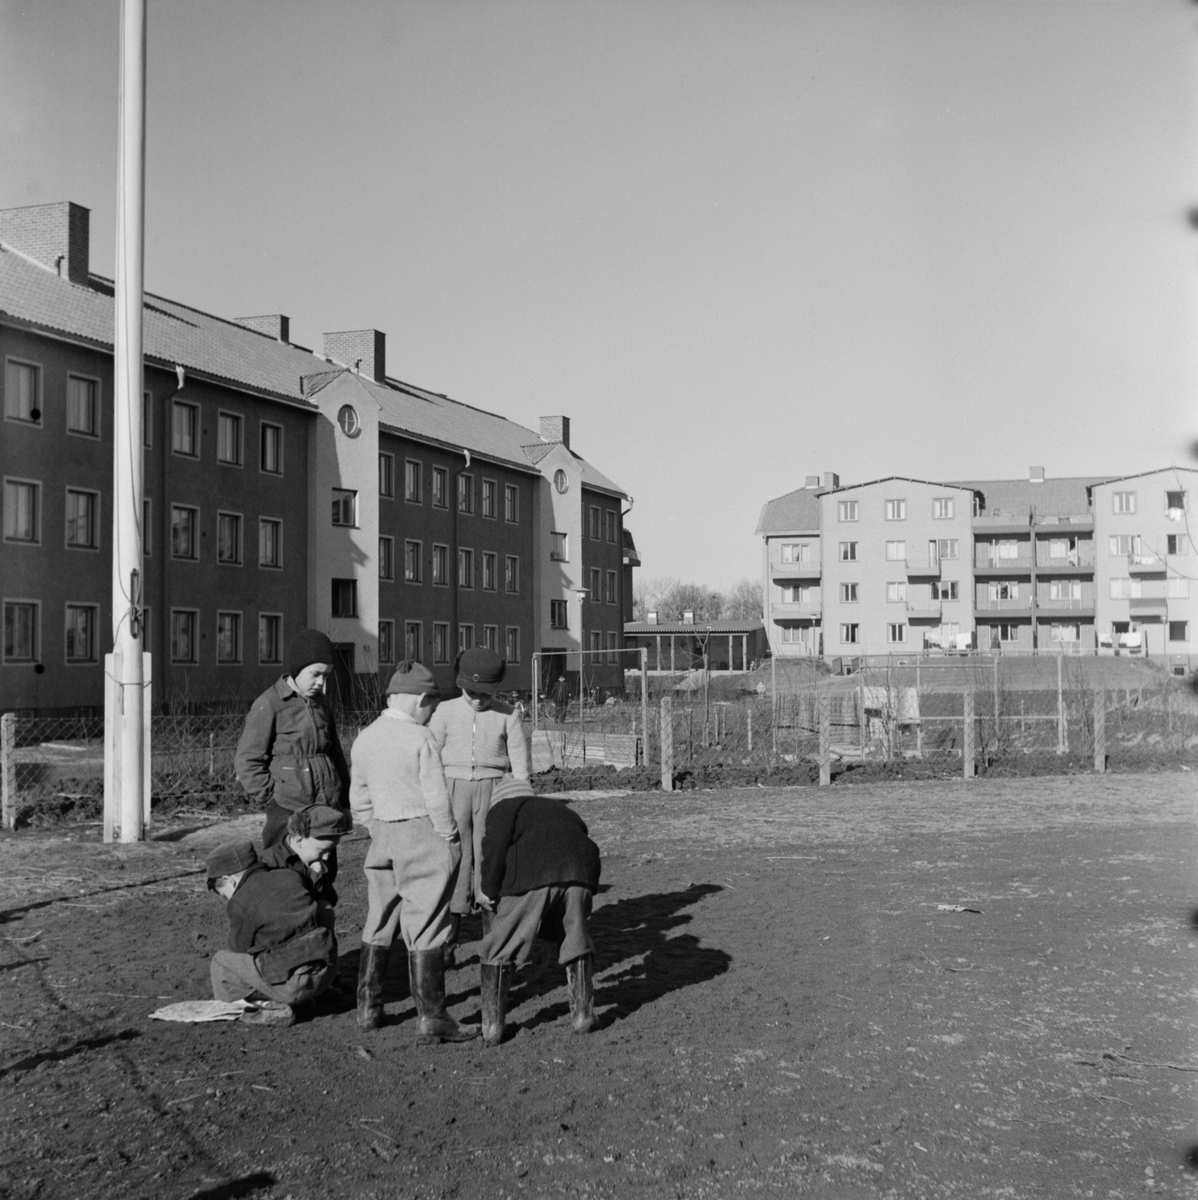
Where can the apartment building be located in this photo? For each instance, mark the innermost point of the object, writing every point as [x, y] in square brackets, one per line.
[1081, 565]
[283, 488]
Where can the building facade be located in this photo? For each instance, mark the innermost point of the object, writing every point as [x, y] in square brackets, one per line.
[283, 488]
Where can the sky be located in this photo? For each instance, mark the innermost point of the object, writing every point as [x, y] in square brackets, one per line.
[737, 242]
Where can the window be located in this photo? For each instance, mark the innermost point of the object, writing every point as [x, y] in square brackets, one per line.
[1008, 632]
[183, 635]
[228, 439]
[490, 573]
[489, 501]
[228, 638]
[491, 638]
[271, 460]
[896, 632]
[558, 615]
[1006, 550]
[81, 633]
[1177, 588]
[184, 531]
[345, 598]
[22, 510]
[20, 631]
[1121, 545]
[896, 510]
[1179, 631]
[83, 510]
[466, 493]
[944, 589]
[1064, 589]
[947, 548]
[440, 641]
[386, 641]
[345, 507]
[896, 592]
[465, 638]
[1120, 589]
[796, 552]
[848, 593]
[147, 541]
[848, 551]
[943, 508]
[411, 482]
[896, 551]
[228, 538]
[511, 502]
[847, 510]
[1123, 502]
[1004, 590]
[1175, 502]
[185, 420]
[440, 565]
[848, 634]
[147, 419]
[611, 597]
[440, 488]
[612, 655]
[465, 568]
[1175, 543]
[805, 593]
[595, 519]
[1063, 549]
[559, 549]
[270, 542]
[1064, 633]
[513, 644]
[412, 551]
[596, 584]
[83, 406]
[387, 477]
[270, 638]
[22, 388]
[511, 573]
[387, 559]
[413, 640]
[610, 520]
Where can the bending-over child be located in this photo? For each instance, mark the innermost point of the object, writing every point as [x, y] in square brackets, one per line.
[397, 789]
[540, 871]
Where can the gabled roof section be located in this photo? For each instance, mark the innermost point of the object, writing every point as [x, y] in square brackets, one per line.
[936, 483]
[1142, 475]
[796, 512]
[1016, 498]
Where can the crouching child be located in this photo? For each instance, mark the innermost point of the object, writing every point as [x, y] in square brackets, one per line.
[540, 871]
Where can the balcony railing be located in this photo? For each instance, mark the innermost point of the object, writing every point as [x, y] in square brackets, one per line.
[1065, 603]
[797, 610]
[808, 569]
[1081, 559]
[986, 560]
[1145, 564]
[986, 603]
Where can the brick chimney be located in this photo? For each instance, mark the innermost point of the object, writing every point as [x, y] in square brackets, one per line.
[1035, 474]
[831, 481]
[556, 429]
[812, 483]
[274, 326]
[56, 235]
[362, 350]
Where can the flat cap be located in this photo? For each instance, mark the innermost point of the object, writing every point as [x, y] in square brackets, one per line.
[328, 822]
[413, 679]
[480, 669]
[229, 859]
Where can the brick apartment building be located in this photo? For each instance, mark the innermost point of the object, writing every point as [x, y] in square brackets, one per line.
[283, 489]
[899, 565]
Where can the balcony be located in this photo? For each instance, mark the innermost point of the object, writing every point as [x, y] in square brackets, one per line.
[1065, 523]
[1002, 521]
[928, 568]
[986, 562]
[1148, 606]
[806, 610]
[1079, 562]
[780, 571]
[1079, 606]
[1145, 564]
[924, 610]
[1020, 606]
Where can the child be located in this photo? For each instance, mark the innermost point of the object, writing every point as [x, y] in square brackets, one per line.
[310, 847]
[281, 941]
[397, 789]
[481, 739]
[540, 871]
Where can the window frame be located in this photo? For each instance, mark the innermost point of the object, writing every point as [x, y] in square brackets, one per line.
[443, 548]
[490, 638]
[440, 657]
[440, 486]
[610, 526]
[594, 592]
[413, 561]
[948, 549]
[386, 475]
[348, 588]
[236, 660]
[848, 511]
[386, 558]
[238, 520]
[466, 568]
[1123, 503]
[277, 522]
[238, 421]
[896, 510]
[35, 634]
[194, 556]
[596, 523]
[94, 496]
[96, 407]
[559, 546]
[511, 574]
[465, 494]
[896, 591]
[511, 644]
[488, 499]
[465, 636]
[179, 407]
[896, 550]
[896, 633]
[194, 614]
[613, 588]
[1185, 631]
[490, 571]
[342, 496]
[847, 551]
[265, 430]
[413, 481]
[944, 508]
[408, 627]
[278, 659]
[850, 633]
[511, 503]
[849, 593]
[37, 406]
[387, 652]
[36, 523]
[93, 655]
[559, 614]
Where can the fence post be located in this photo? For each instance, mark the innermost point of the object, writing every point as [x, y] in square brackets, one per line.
[644, 657]
[997, 739]
[667, 744]
[919, 704]
[1060, 705]
[8, 769]
[968, 740]
[147, 684]
[749, 728]
[862, 720]
[1100, 730]
[825, 742]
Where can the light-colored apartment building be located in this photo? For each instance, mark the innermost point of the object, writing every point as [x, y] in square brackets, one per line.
[1094, 564]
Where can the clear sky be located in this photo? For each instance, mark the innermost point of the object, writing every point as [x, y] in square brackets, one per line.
[735, 242]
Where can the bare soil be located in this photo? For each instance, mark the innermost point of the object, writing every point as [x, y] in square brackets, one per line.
[895, 990]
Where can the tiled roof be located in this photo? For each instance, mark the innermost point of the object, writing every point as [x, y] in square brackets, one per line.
[1052, 498]
[796, 512]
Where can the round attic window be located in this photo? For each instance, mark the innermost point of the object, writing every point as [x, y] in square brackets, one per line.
[560, 481]
[347, 418]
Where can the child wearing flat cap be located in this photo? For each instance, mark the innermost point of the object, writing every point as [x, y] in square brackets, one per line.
[397, 789]
[481, 739]
[281, 941]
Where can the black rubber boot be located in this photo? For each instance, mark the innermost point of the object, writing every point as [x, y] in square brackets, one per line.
[372, 970]
[581, 985]
[494, 979]
[426, 971]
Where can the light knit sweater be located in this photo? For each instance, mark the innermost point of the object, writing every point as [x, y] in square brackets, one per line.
[395, 774]
[480, 745]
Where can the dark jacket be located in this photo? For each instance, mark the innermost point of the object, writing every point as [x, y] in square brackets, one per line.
[532, 842]
[282, 855]
[275, 916]
[289, 752]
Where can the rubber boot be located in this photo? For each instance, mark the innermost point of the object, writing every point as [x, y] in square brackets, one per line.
[372, 970]
[494, 979]
[426, 972]
[581, 986]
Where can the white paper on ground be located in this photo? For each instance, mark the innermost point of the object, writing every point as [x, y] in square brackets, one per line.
[202, 1010]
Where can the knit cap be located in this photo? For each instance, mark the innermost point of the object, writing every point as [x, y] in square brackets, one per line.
[307, 647]
[509, 786]
[229, 859]
[480, 669]
[413, 679]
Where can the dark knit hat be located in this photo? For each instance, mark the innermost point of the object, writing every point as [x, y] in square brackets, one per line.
[307, 647]
[480, 669]
[229, 859]
[413, 679]
[509, 786]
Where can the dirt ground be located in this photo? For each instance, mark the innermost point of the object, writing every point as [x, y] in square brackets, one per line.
[791, 1004]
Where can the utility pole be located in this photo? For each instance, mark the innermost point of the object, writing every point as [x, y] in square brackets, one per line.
[125, 741]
